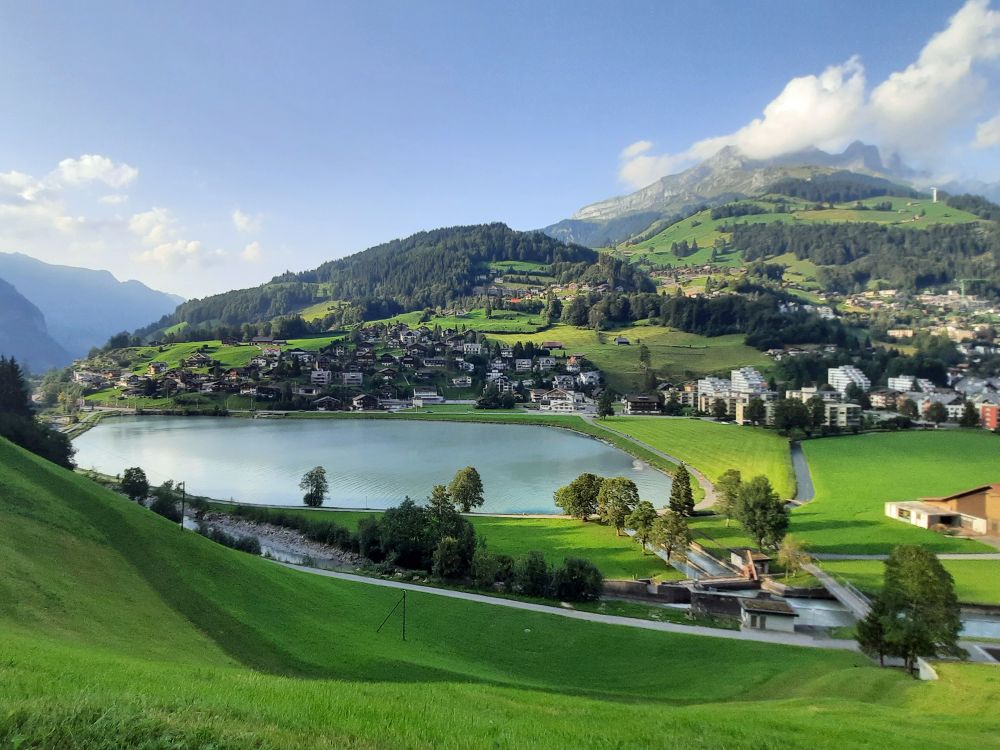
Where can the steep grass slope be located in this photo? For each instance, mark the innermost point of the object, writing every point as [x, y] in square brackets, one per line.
[119, 630]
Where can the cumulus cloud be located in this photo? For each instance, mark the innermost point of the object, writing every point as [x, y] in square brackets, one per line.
[94, 168]
[159, 230]
[914, 110]
[247, 223]
[114, 199]
[251, 253]
[988, 133]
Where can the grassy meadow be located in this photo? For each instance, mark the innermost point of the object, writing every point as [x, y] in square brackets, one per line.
[118, 629]
[976, 581]
[673, 354]
[855, 476]
[713, 447]
[706, 231]
[557, 538]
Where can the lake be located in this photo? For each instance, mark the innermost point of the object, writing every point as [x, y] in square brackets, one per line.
[370, 463]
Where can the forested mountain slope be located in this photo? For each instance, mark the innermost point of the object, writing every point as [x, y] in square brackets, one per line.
[439, 267]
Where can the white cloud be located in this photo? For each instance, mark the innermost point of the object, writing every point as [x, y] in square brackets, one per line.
[94, 168]
[251, 253]
[154, 226]
[916, 110]
[114, 199]
[916, 106]
[988, 133]
[247, 223]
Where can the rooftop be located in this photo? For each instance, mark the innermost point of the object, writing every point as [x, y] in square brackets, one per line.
[768, 606]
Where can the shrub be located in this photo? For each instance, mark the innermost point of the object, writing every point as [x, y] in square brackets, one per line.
[248, 544]
[166, 507]
[531, 574]
[577, 580]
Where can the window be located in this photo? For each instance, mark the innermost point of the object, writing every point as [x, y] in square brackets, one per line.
[903, 513]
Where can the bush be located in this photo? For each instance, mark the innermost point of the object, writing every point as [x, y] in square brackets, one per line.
[485, 568]
[166, 507]
[577, 580]
[370, 539]
[449, 561]
[248, 544]
[531, 574]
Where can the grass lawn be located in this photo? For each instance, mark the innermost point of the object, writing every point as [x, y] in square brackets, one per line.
[674, 354]
[556, 538]
[976, 581]
[713, 447]
[118, 629]
[855, 476]
[502, 321]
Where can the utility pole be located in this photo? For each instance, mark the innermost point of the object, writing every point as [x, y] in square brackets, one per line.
[391, 611]
[183, 489]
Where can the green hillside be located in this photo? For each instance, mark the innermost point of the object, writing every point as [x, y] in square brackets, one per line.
[706, 231]
[117, 629]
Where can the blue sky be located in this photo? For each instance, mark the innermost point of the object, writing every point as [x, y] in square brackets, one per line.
[136, 131]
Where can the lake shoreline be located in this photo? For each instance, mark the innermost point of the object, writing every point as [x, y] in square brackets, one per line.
[375, 466]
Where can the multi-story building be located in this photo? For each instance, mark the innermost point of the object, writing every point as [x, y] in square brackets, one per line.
[903, 383]
[846, 375]
[843, 415]
[747, 380]
[989, 415]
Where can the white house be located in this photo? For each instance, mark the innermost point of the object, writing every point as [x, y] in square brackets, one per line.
[462, 381]
[352, 378]
[471, 347]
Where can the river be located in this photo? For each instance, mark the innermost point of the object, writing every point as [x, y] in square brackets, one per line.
[370, 463]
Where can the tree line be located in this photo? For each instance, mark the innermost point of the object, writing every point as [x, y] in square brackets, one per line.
[18, 423]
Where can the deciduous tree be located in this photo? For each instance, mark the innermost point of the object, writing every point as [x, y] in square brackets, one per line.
[617, 499]
[671, 531]
[641, 520]
[314, 486]
[727, 494]
[579, 497]
[134, 484]
[466, 489]
[762, 513]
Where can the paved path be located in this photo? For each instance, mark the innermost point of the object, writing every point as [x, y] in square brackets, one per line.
[784, 639]
[804, 491]
[856, 603]
[706, 485]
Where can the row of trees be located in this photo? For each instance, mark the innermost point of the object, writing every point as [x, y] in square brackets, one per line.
[615, 502]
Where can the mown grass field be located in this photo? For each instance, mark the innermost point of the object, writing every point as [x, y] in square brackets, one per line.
[855, 476]
[501, 321]
[673, 354]
[714, 447]
[976, 581]
[557, 538]
[120, 630]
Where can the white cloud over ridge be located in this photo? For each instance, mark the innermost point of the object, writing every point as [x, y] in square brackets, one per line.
[914, 110]
[94, 168]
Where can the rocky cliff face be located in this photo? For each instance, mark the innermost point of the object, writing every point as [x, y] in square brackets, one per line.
[726, 176]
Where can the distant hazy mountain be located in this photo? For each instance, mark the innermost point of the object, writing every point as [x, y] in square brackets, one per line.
[727, 175]
[989, 190]
[83, 308]
[23, 333]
